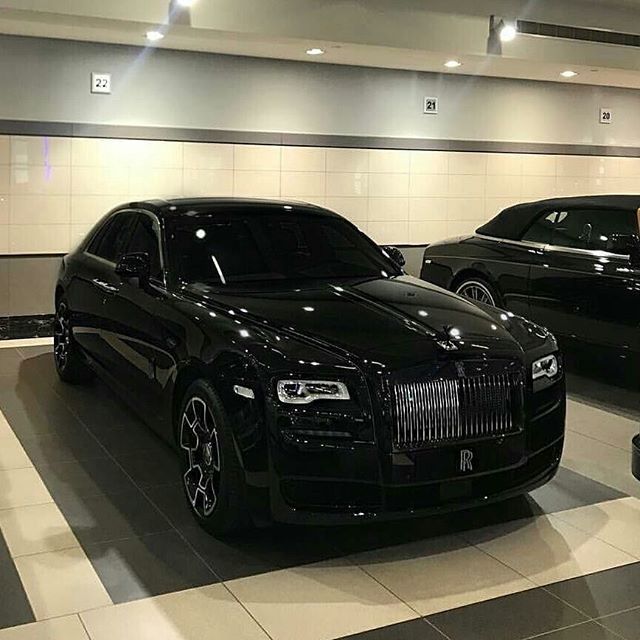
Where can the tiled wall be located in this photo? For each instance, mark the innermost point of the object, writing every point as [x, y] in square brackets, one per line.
[53, 189]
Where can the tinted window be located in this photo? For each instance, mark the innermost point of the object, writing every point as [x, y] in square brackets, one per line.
[111, 241]
[261, 246]
[541, 230]
[591, 229]
[145, 240]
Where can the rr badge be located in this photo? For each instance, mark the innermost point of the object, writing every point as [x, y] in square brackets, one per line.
[466, 460]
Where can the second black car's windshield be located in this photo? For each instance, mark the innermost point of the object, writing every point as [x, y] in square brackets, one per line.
[263, 246]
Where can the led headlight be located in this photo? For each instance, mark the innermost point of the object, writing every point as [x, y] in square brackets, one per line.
[545, 367]
[306, 391]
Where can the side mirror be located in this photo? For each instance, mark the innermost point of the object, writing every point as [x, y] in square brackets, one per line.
[395, 254]
[134, 265]
[625, 244]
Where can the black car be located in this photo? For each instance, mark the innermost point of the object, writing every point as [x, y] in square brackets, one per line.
[569, 264]
[301, 374]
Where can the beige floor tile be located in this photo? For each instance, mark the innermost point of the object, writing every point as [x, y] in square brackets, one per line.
[5, 430]
[208, 613]
[66, 628]
[25, 342]
[601, 425]
[616, 522]
[21, 487]
[61, 582]
[547, 549]
[35, 529]
[463, 574]
[12, 455]
[319, 601]
[601, 462]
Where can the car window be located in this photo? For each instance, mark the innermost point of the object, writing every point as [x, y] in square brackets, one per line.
[542, 229]
[145, 239]
[261, 246]
[111, 241]
[591, 229]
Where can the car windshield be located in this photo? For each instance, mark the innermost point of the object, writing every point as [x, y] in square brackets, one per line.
[262, 245]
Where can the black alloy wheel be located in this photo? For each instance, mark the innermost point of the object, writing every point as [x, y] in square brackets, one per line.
[70, 364]
[212, 476]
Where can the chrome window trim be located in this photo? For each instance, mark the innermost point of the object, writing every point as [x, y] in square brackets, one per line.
[594, 253]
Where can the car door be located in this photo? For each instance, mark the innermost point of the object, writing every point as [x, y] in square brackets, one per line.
[578, 288]
[95, 283]
[141, 334]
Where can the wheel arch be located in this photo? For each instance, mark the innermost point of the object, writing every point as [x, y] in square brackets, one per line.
[474, 271]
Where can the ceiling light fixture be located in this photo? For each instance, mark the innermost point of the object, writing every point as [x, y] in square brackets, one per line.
[508, 32]
[569, 74]
[452, 64]
[154, 36]
[315, 51]
[186, 3]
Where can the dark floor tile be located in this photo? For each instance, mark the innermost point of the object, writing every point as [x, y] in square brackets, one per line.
[14, 605]
[95, 477]
[68, 446]
[105, 518]
[148, 566]
[411, 630]
[170, 499]
[260, 550]
[626, 625]
[152, 467]
[603, 593]
[586, 631]
[513, 617]
[569, 490]
[10, 361]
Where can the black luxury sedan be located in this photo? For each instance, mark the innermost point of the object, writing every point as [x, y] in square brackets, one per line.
[301, 375]
[569, 264]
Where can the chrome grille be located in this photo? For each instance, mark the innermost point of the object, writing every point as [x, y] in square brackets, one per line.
[440, 411]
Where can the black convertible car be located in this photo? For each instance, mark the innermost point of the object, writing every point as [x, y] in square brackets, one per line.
[300, 373]
[569, 264]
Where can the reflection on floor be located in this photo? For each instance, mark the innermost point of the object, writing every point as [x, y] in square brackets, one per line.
[97, 542]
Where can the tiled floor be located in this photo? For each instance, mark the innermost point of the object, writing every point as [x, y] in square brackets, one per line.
[97, 543]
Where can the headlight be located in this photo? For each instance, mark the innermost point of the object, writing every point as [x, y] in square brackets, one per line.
[547, 366]
[306, 391]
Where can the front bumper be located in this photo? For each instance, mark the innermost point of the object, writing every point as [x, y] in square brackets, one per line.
[411, 501]
[635, 456]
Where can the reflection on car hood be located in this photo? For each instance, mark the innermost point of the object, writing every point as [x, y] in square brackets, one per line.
[399, 320]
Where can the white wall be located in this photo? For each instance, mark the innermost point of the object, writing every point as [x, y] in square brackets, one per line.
[53, 189]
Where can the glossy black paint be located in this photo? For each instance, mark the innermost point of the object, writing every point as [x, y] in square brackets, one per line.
[592, 297]
[150, 339]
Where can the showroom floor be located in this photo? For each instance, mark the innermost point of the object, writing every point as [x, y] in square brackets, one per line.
[97, 541]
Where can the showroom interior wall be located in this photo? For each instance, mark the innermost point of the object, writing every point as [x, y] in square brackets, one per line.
[353, 139]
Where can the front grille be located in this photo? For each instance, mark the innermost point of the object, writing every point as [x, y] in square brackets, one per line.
[453, 410]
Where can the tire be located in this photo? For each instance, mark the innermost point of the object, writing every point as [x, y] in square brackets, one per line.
[478, 289]
[212, 477]
[70, 364]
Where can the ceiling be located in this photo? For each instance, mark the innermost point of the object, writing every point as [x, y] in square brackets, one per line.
[398, 34]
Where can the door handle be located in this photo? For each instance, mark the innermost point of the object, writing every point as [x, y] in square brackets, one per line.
[105, 286]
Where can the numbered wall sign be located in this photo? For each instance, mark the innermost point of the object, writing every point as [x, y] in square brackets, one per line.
[100, 83]
[431, 105]
[606, 116]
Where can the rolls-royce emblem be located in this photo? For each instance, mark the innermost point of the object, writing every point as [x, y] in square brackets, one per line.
[466, 460]
[447, 345]
[460, 369]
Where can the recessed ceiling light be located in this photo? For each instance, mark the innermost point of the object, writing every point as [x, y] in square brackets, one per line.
[569, 74]
[186, 3]
[154, 36]
[315, 51]
[452, 64]
[508, 33]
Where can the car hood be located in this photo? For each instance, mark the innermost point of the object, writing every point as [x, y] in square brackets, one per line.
[398, 321]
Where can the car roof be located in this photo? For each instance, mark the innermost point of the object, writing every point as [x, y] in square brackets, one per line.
[176, 207]
[513, 221]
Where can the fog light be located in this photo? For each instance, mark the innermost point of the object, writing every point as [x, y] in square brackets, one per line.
[545, 367]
